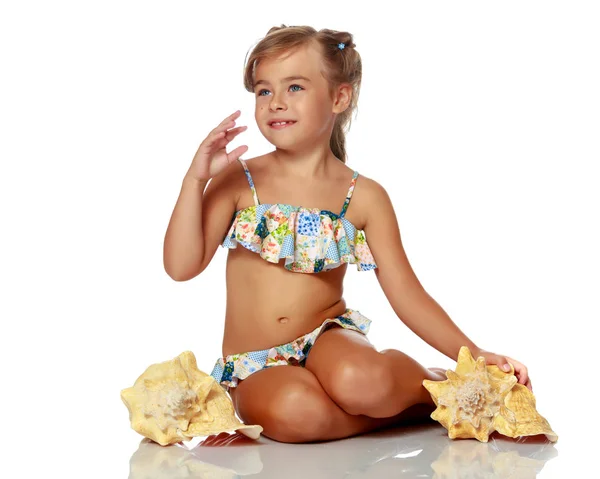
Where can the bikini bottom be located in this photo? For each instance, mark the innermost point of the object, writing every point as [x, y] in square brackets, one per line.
[228, 370]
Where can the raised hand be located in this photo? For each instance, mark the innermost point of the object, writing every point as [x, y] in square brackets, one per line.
[212, 157]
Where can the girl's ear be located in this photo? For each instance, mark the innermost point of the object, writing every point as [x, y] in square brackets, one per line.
[342, 98]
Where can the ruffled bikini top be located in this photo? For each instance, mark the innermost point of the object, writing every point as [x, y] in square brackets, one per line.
[310, 239]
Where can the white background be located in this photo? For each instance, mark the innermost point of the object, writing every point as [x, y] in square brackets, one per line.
[480, 119]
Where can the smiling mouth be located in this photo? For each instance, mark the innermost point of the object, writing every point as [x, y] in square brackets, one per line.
[281, 125]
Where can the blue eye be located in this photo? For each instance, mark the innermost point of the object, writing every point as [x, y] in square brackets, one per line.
[291, 86]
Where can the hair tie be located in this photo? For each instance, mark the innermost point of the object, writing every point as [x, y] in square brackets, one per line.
[341, 45]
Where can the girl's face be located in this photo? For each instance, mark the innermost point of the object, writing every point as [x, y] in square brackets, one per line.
[291, 87]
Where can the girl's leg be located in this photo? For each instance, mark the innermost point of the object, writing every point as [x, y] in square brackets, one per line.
[362, 380]
[291, 406]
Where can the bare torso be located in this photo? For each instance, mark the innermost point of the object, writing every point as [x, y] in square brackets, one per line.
[268, 305]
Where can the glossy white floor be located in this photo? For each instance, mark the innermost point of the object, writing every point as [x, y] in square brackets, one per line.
[408, 451]
[84, 431]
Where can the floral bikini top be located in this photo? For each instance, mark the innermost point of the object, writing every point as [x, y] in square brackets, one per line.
[310, 239]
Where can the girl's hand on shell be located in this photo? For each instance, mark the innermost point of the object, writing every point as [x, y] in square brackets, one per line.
[502, 362]
[212, 157]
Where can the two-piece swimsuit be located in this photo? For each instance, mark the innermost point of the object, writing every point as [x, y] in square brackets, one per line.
[311, 240]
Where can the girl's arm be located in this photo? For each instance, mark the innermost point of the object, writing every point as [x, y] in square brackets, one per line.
[199, 223]
[411, 303]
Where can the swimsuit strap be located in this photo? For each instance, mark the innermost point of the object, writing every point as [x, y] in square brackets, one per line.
[349, 195]
[249, 177]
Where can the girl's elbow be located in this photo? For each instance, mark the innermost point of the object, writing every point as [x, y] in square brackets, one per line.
[181, 274]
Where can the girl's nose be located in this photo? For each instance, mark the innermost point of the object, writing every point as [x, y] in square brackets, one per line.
[276, 103]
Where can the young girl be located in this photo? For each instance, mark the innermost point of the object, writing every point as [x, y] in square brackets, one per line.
[293, 220]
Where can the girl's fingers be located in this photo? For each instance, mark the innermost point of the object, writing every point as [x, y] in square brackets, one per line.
[227, 121]
[221, 141]
[520, 370]
[498, 360]
[223, 127]
[214, 136]
[233, 116]
[226, 128]
[235, 154]
[520, 367]
[522, 373]
[224, 439]
[231, 134]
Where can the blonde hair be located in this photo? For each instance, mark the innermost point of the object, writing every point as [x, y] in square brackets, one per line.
[340, 66]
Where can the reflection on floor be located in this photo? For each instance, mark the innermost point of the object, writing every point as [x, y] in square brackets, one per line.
[409, 451]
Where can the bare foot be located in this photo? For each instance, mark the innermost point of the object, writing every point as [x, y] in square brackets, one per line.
[226, 439]
[441, 372]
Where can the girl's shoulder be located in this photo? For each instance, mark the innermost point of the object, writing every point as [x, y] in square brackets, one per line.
[257, 160]
[365, 187]
[368, 197]
[255, 164]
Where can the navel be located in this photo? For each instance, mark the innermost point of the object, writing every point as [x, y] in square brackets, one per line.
[283, 320]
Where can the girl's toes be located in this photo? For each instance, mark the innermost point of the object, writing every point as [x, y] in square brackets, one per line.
[441, 372]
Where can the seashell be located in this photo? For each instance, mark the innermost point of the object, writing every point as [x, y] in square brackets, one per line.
[478, 399]
[174, 401]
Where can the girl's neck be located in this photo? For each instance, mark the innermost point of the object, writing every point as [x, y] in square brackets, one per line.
[313, 164]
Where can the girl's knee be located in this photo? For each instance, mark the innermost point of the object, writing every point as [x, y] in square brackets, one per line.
[289, 404]
[359, 387]
[298, 413]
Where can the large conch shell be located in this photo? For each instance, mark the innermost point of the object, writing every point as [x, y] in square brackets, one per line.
[174, 401]
[478, 399]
